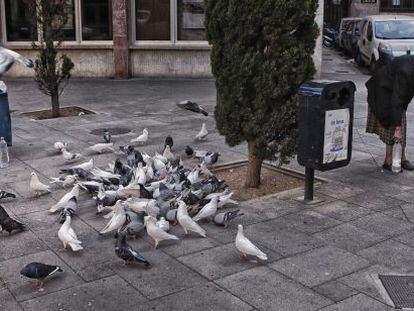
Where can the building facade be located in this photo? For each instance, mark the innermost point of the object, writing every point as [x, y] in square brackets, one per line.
[122, 38]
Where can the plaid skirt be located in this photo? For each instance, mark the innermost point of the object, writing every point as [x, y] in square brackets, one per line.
[386, 135]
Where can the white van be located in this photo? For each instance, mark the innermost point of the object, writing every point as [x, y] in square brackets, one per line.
[388, 35]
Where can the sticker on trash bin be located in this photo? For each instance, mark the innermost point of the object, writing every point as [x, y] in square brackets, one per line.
[336, 135]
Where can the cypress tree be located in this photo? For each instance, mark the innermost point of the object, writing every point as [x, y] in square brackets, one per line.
[261, 53]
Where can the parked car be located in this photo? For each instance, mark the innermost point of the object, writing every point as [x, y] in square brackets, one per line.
[343, 26]
[386, 35]
[350, 37]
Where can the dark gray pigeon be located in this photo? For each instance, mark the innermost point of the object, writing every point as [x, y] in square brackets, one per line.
[168, 142]
[5, 194]
[222, 219]
[124, 251]
[107, 136]
[189, 151]
[70, 209]
[9, 224]
[39, 271]
[192, 106]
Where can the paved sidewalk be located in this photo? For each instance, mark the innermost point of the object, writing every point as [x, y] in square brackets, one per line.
[320, 258]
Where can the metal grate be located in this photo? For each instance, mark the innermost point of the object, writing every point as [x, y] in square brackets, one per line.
[400, 288]
[112, 130]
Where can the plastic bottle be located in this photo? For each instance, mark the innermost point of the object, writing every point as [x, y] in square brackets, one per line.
[4, 154]
[396, 158]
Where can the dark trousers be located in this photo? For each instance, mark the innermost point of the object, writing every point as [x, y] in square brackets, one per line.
[5, 120]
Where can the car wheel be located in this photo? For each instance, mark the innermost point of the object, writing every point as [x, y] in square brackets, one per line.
[373, 65]
[358, 58]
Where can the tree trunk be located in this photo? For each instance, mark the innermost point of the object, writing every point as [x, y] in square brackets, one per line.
[254, 168]
[55, 106]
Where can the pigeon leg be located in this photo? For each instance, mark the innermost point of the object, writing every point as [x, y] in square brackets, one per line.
[243, 257]
[156, 244]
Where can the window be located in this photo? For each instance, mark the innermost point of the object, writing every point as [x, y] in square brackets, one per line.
[152, 19]
[93, 22]
[19, 26]
[169, 20]
[96, 19]
[191, 20]
[403, 6]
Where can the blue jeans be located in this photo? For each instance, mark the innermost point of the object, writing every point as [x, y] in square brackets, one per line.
[5, 120]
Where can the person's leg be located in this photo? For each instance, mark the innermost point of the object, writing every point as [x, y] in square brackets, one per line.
[388, 155]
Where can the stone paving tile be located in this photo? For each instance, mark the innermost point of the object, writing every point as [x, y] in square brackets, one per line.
[284, 241]
[405, 212]
[358, 302]
[335, 290]
[382, 224]
[374, 201]
[111, 293]
[19, 244]
[307, 221]
[339, 190]
[165, 276]
[208, 297]
[406, 238]
[341, 210]
[266, 289]
[23, 289]
[348, 237]
[390, 253]
[7, 301]
[320, 265]
[365, 280]
[407, 196]
[21, 207]
[223, 260]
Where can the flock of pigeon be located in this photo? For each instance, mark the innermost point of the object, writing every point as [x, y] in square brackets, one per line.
[136, 193]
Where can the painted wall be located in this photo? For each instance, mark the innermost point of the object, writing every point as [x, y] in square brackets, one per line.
[359, 9]
[88, 63]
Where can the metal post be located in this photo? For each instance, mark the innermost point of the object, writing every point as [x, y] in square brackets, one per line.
[309, 181]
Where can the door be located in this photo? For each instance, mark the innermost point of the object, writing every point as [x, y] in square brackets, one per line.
[367, 39]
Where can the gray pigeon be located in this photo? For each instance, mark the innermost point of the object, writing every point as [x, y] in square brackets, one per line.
[70, 209]
[124, 251]
[5, 194]
[134, 224]
[172, 215]
[107, 136]
[9, 224]
[192, 106]
[39, 271]
[222, 219]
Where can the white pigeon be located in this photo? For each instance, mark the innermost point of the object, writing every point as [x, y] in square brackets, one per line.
[149, 172]
[159, 165]
[87, 166]
[163, 224]
[167, 153]
[203, 133]
[60, 145]
[226, 199]
[161, 157]
[186, 222]
[148, 206]
[36, 186]
[117, 220]
[69, 156]
[101, 147]
[156, 233]
[193, 176]
[245, 247]
[65, 199]
[140, 178]
[128, 191]
[68, 236]
[66, 181]
[104, 174]
[8, 57]
[141, 139]
[209, 210]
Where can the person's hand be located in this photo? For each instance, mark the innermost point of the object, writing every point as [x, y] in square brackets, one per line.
[398, 135]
